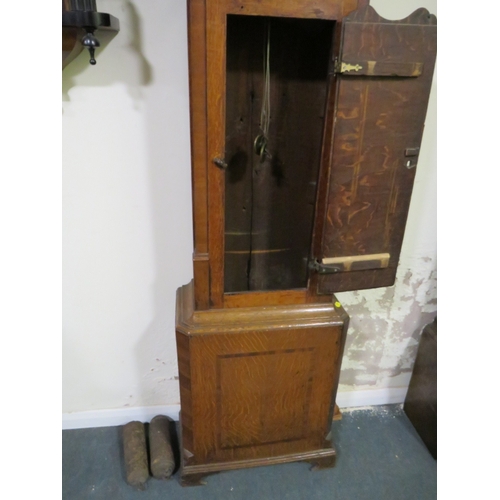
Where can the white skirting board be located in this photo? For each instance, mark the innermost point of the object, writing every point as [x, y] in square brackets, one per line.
[118, 416]
[375, 397]
[121, 416]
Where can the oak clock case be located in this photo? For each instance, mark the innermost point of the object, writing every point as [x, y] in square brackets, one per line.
[306, 123]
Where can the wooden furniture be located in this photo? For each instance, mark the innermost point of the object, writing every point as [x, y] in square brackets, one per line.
[421, 400]
[306, 122]
[257, 384]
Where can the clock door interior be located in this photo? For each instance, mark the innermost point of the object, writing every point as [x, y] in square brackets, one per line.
[277, 74]
[385, 75]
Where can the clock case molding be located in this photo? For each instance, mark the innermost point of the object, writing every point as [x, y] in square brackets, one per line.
[259, 361]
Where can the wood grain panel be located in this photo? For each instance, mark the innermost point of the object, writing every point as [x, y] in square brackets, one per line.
[205, 352]
[198, 117]
[377, 119]
[259, 411]
[261, 382]
[216, 109]
[198, 107]
[269, 204]
[201, 272]
[280, 297]
[183, 361]
[305, 9]
[240, 68]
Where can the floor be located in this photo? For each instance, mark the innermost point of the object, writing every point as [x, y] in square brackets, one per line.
[379, 456]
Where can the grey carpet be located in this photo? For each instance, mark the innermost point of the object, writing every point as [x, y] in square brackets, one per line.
[379, 457]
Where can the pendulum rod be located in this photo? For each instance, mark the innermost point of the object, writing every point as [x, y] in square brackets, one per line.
[261, 141]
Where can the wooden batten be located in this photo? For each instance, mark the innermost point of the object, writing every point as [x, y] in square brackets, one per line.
[359, 262]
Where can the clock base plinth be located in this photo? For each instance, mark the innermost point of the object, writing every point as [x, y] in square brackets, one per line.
[257, 384]
[195, 475]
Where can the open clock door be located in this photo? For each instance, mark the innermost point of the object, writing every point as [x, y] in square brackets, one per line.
[384, 76]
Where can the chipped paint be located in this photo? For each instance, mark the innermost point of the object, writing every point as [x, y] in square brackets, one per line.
[385, 328]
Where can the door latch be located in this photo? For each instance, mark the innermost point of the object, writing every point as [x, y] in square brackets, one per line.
[412, 157]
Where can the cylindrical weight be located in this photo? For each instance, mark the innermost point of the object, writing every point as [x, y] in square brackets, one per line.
[135, 454]
[160, 447]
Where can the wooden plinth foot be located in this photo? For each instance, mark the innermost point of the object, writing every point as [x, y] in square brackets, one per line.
[193, 480]
[323, 463]
[337, 415]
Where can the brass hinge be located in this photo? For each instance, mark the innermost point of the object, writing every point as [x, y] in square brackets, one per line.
[342, 67]
[350, 67]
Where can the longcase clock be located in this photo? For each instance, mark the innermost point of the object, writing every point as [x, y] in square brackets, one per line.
[306, 123]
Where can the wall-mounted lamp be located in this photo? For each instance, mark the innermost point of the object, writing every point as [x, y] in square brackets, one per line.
[80, 17]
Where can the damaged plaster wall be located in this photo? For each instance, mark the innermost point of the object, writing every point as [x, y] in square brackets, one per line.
[385, 328]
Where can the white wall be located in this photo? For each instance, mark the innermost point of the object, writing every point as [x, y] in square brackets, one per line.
[127, 238]
[127, 210]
